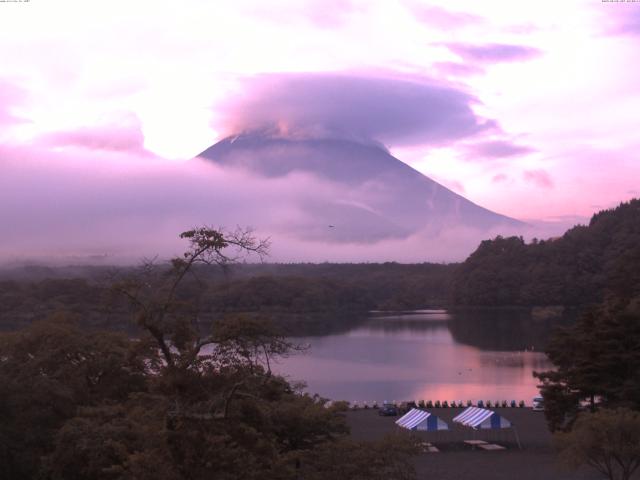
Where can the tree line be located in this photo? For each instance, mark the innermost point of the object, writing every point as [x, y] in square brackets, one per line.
[303, 298]
[580, 268]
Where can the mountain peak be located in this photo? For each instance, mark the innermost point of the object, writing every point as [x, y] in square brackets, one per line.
[376, 196]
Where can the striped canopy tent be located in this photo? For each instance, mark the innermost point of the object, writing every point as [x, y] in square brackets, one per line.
[421, 421]
[482, 419]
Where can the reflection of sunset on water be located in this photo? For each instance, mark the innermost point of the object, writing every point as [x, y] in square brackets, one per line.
[414, 357]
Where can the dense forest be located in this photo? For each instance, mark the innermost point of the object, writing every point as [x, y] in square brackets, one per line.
[582, 267]
[302, 298]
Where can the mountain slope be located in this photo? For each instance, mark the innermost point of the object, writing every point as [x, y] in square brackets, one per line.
[379, 196]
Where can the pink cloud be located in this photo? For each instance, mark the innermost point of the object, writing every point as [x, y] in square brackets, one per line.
[620, 18]
[123, 135]
[455, 185]
[493, 52]
[499, 178]
[496, 149]
[324, 14]
[10, 97]
[442, 18]
[458, 69]
[384, 109]
[329, 13]
[539, 177]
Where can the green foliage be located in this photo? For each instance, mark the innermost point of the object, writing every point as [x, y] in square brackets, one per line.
[597, 361]
[302, 299]
[582, 267]
[50, 370]
[174, 403]
[124, 441]
[608, 440]
[223, 416]
[349, 460]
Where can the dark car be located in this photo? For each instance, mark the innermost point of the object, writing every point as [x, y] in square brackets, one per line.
[388, 410]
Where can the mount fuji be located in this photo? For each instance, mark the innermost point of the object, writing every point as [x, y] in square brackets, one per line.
[380, 197]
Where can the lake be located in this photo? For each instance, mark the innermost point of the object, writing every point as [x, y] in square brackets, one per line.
[426, 355]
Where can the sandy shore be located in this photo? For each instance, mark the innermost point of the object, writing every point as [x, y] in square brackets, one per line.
[456, 460]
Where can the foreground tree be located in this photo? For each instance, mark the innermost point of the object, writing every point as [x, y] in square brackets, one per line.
[387, 459]
[47, 373]
[608, 441]
[175, 403]
[154, 291]
[597, 364]
[224, 401]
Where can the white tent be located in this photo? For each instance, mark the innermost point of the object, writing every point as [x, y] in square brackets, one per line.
[421, 421]
[481, 418]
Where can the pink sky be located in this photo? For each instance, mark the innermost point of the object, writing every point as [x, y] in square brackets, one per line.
[553, 87]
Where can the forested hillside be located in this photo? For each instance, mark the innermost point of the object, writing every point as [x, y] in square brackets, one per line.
[582, 267]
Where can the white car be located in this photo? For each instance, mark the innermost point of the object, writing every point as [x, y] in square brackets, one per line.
[537, 404]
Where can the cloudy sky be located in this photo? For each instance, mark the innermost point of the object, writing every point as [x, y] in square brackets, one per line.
[527, 108]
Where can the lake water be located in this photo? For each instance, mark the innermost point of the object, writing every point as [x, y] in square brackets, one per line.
[427, 354]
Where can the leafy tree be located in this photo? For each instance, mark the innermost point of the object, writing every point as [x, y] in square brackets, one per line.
[47, 372]
[597, 362]
[154, 292]
[582, 267]
[126, 440]
[347, 459]
[175, 403]
[608, 441]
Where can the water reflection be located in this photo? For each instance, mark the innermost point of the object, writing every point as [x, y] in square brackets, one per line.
[426, 355]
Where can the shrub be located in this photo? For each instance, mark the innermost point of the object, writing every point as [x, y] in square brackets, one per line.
[607, 440]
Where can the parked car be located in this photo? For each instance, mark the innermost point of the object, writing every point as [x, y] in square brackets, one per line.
[538, 404]
[388, 410]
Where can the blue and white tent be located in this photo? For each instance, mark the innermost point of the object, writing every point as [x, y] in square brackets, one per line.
[421, 421]
[482, 419]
